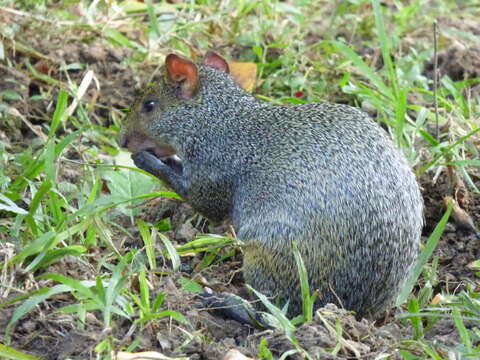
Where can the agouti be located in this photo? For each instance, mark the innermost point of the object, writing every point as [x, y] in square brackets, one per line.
[324, 175]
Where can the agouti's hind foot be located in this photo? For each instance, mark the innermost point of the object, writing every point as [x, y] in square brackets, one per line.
[233, 307]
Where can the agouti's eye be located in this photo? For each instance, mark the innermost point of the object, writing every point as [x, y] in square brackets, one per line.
[149, 106]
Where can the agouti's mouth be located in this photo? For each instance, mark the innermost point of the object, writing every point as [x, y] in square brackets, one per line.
[168, 156]
[161, 152]
[137, 142]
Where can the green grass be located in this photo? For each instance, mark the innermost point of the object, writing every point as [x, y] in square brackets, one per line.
[312, 47]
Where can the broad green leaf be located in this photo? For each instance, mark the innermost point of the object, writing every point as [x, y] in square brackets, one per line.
[73, 284]
[190, 285]
[126, 185]
[283, 322]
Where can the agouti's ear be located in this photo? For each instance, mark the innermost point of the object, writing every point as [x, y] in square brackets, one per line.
[214, 60]
[184, 73]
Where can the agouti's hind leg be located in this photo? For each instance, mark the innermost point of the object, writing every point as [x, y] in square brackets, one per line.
[265, 270]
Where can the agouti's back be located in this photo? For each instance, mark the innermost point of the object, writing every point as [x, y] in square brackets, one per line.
[323, 175]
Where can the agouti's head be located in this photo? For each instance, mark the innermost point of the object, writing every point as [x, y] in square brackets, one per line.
[157, 115]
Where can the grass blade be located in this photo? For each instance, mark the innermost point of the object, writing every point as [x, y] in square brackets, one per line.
[6, 352]
[8, 205]
[385, 46]
[59, 113]
[203, 243]
[147, 238]
[71, 283]
[462, 330]
[364, 69]
[400, 113]
[447, 150]
[172, 252]
[307, 300]
[283, 321]
[29, 304]
[424, 256]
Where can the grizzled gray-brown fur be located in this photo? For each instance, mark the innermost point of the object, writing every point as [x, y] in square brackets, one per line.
[323, 175]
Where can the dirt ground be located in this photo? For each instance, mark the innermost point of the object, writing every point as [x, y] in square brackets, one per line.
[46, 332]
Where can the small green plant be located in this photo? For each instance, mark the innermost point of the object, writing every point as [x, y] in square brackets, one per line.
[264, 352]
[102, 294]
[148, 310]
[277, 318]
[210, 244]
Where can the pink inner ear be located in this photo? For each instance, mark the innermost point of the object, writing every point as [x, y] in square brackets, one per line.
[214, 60]
[184, 72]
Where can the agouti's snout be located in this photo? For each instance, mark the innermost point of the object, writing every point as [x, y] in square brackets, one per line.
[136, 142]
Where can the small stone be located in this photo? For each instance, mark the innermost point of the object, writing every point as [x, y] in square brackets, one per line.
[165, 344]
[369, 109]
[94, 53]
[29, 326]
[186, 232]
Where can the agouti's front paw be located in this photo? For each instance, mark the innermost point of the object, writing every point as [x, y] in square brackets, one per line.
[168, 170]
[148, 162]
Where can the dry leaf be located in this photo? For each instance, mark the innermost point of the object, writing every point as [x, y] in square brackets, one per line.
[461, 192]
[43, 66]
[235, 355]
[244, 73]
[461, 218]
[437, 299]
[145, 355]
[474, 265]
